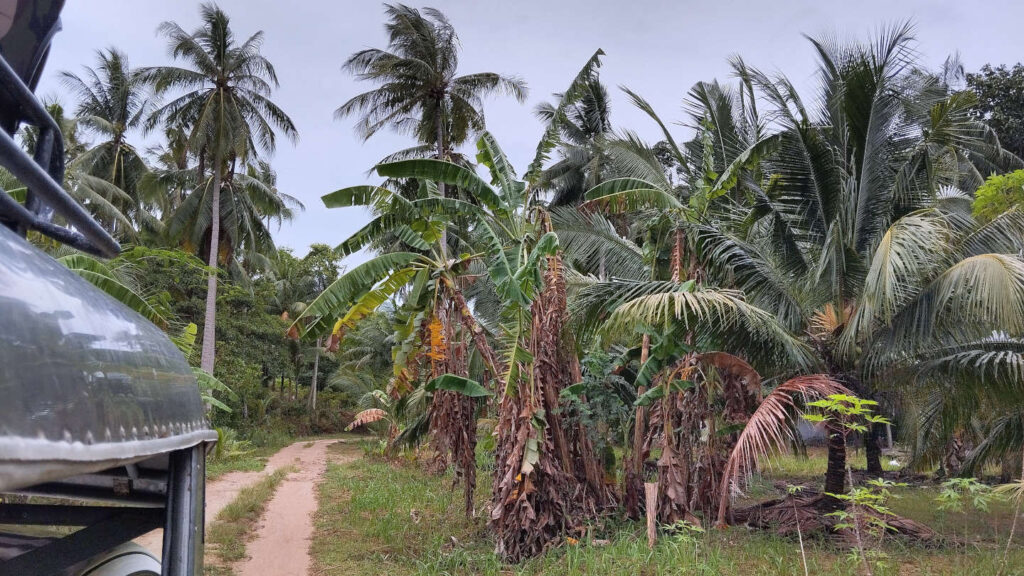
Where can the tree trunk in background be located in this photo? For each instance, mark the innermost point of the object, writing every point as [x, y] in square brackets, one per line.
[491, 361]
[835, 474]
[873, 449]
[1006, 469]
[210, 318]
[651, 499]
[313, 384]
[677, 256]
[634, 478]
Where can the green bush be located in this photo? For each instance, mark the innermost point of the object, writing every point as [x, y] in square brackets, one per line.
[999, 193]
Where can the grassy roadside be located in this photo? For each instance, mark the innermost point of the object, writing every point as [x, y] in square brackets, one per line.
[235, 525]
[251, 456]
[376, 517]
[254, 458]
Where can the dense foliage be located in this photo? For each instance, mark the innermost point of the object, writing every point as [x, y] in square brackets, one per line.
[1000, 91]
[627, 326]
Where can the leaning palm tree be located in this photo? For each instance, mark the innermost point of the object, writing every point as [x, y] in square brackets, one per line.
[224, 102]
[113, 102]
[583, 160]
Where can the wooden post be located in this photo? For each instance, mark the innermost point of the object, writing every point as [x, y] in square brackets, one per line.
[651, 492]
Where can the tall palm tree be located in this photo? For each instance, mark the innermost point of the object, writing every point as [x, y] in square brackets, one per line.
[106, 201]
[420, 92]
[583, 162]
[113, 102]
[224, 102]
[249, 202]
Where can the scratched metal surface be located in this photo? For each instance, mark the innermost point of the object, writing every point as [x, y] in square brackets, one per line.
[82, 377]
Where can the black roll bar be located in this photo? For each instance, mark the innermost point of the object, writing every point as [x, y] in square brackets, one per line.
[86, 233]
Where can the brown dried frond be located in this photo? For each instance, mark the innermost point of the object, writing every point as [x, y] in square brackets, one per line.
[734, 366]
[365, 417]
[828, 321]
[769, 428]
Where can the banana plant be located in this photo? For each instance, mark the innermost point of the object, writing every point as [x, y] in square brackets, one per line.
[514, 238]
[499, 225]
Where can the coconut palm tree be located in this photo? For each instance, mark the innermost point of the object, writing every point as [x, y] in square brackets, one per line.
[583, 162]
[855, 232]
[249, 202]
[169, 179]
[420, 92]
[105, 200]
[113, 102]
[224, 103]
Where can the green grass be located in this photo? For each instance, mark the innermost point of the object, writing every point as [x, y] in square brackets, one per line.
[227, 537]
[263, 446]
[812, 467]
[366, 525]
[252, 458]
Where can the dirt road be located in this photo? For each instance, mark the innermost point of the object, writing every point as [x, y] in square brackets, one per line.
[281, 546]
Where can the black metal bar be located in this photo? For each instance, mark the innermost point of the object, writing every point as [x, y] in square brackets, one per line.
[37, 180]
[55, 514]
[48, 154]
[117, 529]
[184, 527]
[30, 105]
[144, 482]
[13, 213]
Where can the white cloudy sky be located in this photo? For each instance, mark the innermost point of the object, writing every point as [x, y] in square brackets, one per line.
[659, 48]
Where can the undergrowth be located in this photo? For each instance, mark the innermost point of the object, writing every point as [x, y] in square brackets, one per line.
[391, 517]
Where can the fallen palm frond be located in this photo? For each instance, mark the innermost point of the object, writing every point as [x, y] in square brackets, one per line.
[771, 427]
[803, 511]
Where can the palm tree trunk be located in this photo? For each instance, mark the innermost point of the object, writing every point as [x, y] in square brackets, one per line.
[873, 450]
[313, 384]
[835, 473]
[210, 318]
[677, 256]
[634, 480]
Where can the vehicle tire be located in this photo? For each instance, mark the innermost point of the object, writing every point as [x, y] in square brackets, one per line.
[125, 560]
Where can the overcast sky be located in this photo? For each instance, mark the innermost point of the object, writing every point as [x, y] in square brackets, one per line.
[659, 48]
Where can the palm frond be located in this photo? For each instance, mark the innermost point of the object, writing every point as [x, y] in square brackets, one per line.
[771, 427]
